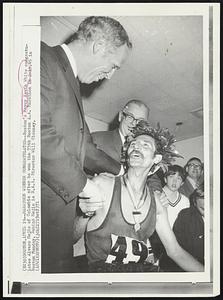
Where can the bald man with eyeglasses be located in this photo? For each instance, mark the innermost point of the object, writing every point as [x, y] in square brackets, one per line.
[194, 169]
[111, 142]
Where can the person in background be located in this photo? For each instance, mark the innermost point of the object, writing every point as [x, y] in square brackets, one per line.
[111, 142]
[174, 179]
[189, 225]
[117, 230]
[194, 169]
[98, 48]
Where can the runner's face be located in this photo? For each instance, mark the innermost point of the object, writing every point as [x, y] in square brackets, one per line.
[174, 181]
[141, 152]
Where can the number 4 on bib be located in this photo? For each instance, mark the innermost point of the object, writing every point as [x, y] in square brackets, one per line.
[125, 250]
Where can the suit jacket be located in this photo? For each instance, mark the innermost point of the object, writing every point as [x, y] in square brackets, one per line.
[65, 140]
[187, 188]
[111, 143]
[189, 231]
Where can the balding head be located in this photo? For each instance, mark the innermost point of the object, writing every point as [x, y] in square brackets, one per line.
[133, 111]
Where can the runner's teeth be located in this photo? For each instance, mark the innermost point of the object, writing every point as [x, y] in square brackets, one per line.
[135, 154]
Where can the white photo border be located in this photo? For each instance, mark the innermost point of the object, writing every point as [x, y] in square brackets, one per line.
[25, 27]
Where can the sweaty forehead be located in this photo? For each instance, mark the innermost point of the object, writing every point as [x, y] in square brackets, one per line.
[138, 111]
[145, 138]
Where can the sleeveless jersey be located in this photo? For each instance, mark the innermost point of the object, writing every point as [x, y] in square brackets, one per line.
[116, 240]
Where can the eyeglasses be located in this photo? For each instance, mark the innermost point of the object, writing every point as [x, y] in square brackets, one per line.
[195, 166]
[130, 118]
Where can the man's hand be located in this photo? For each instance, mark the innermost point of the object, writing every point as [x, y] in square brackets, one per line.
[90, 199]
[154, 170]
[164, 167]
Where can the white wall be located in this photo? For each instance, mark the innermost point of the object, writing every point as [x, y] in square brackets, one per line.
[54, 30]
[189, 148]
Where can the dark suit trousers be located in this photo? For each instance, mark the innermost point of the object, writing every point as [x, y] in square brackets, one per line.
[57, 234]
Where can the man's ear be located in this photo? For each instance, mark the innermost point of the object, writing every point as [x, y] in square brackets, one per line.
[98, 47]
[120, 116]
[165, 180]
[157, 159]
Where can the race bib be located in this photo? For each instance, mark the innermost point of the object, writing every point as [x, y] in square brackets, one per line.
[125, 250]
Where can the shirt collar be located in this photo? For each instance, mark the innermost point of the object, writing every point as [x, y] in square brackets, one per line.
[70, 58]
[192, 182]
[122, 137]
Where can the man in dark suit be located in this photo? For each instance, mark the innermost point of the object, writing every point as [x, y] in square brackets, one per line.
[112, 141]
[194, 169]
[97, 49]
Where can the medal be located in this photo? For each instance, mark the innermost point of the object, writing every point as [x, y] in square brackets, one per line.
[135, 213]
[135, 217]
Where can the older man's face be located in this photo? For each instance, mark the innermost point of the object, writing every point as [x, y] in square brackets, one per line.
[104, 63]
[129, 117]
[194, 169]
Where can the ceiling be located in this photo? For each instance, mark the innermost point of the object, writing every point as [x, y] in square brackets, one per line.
[164, 69]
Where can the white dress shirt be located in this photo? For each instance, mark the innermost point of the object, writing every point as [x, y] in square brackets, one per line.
[70, 58]
[122, 137]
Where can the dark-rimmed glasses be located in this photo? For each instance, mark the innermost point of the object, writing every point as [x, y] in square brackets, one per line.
[129, 118]
[195, 166]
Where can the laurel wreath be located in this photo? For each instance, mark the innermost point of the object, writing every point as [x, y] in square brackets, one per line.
[163, 138]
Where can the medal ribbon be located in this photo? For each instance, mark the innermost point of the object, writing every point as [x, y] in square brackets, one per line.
[135, 213]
